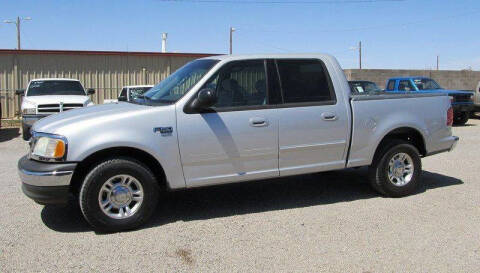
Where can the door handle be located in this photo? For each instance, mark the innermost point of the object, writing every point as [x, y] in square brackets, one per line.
[258, 122]
[329, 116]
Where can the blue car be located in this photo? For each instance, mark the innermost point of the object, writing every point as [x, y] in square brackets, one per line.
[462, 103]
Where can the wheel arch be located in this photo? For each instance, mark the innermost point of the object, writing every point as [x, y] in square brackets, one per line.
[408, 134]
[91, 160]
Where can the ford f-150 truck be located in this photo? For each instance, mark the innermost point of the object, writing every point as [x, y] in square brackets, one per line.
[462, 101]
[227, 119]
[45, 97]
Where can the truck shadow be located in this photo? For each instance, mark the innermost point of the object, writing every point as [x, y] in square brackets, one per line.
[246, 198]
[7, 134]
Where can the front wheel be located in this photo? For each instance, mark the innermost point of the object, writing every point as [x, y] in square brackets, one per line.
[461, 118]
[396, 169]
[118, 194]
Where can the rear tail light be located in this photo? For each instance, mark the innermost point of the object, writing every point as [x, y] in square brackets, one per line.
[450, 114]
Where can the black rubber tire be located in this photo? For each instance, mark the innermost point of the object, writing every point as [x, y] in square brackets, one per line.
[26, 133]
[378, 170]
[461, 118]
[88, 196]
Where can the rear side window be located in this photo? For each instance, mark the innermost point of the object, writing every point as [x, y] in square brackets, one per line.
[391, 85]
[305, 81]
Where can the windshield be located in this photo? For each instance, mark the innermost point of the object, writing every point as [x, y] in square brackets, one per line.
[179, 83]
[43, 88]
[365, 87]
[135, 92]
[426, 84]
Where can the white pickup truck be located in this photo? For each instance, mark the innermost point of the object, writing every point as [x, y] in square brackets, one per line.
[45, 97]
[227, 119]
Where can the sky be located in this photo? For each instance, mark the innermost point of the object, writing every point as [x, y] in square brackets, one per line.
[398, 34]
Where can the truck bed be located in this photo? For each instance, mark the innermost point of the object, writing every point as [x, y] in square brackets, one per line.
[376, 115]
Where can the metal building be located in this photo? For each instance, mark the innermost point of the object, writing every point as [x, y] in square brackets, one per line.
[105, 71]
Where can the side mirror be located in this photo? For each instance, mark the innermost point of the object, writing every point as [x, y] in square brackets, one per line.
[122, 98]
[206, 98]
[20, 92]
[90, 91]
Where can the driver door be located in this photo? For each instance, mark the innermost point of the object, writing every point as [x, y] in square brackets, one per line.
[237, 139]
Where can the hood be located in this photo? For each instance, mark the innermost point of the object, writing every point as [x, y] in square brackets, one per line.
[52, 99]
[87, 117]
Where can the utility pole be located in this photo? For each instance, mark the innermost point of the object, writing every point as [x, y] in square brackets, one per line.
[360, 54]
[231, 40]
[17, 23]
[438, 65]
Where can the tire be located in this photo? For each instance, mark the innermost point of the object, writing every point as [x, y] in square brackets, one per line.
[26, 133]
[115, 170]
[461, 118]
[379, 170]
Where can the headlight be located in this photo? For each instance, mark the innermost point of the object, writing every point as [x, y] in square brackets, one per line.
[29, 111]
[48, 147]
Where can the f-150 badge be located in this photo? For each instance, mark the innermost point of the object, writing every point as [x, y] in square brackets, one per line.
[164, 131]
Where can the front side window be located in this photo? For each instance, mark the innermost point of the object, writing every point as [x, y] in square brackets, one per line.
[44, 88]
[405, 85]
[239, 83]
[171, 89]
[304, 81]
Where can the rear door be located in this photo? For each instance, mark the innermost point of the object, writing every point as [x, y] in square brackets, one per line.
[313, 124]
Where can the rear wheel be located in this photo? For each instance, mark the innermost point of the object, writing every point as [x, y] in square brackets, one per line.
[118, 194]
[396, 169]
[461, 118]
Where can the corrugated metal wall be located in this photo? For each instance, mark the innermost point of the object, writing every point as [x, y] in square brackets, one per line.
[106, 72]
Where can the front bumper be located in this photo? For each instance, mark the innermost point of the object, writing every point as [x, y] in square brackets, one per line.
[463, 107]
[45, 183]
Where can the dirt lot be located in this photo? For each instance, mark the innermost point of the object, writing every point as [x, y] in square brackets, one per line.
[325, 222]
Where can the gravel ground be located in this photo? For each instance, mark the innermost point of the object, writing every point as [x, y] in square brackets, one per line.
[325, 222]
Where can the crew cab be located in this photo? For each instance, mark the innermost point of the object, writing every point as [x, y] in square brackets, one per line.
[228, 119]
[44, 97]
[130, 93]
[462, 101]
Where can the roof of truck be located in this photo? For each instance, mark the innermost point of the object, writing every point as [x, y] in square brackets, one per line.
[137, 86]
[267, 56]
[408, 78]
[55, 79]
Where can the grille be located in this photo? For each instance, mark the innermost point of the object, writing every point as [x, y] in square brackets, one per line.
[55, 108]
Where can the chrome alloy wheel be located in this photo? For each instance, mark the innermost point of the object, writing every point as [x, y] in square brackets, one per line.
[400, 169]
[121, 196]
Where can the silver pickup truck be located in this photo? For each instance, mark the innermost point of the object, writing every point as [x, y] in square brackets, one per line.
[227, 119]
